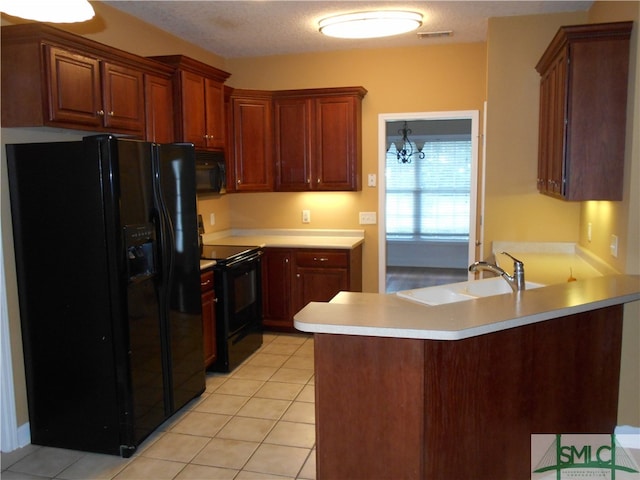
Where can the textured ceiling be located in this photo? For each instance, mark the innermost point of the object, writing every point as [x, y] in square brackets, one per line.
[259, 28]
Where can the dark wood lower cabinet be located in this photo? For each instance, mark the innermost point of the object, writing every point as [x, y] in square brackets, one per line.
[208, 317]
[293, 277]
[389, 408]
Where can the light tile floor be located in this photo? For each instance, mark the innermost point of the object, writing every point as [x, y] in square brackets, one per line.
[257, 422]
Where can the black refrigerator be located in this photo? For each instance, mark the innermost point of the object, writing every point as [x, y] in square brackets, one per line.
[107, 259]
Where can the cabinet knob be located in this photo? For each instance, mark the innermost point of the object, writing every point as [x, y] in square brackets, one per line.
[111, 114]
[321, 259]
[207, 137]
[238, 182]
[286, 260]
[100, 113]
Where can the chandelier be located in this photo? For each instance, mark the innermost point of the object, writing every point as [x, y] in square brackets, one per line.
[405, 151]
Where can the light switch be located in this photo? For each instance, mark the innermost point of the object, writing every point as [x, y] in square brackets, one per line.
[368, 218]
[613, 246]
[371, 180]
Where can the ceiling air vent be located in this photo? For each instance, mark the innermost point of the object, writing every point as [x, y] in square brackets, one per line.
[443, 33]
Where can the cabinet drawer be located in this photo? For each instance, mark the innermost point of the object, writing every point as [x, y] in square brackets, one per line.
[206, 281]
[322, 259]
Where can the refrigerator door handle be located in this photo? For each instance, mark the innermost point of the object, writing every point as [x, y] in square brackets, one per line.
[156, 219]
[166, 238]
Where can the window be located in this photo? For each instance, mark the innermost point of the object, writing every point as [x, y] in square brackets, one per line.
[429, 198]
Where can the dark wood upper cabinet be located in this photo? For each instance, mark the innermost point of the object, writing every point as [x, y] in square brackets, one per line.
[583, 103]
[74, 87]
[198, 101]
[54, 78]
[251, 148]
[318, 136]
[123, 98]
[159, 109]
[292, 139]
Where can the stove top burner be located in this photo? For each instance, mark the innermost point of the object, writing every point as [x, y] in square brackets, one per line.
[226, 253]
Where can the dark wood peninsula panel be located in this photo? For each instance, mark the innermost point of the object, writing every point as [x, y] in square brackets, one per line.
[389, 408]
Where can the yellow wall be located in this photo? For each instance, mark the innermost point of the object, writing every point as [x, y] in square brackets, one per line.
[514, 47]
[430, 78]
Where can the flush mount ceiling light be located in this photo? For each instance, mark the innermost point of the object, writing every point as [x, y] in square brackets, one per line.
[383, 23]
[63, 11]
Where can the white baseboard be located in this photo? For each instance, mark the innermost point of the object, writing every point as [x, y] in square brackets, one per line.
[24, 435]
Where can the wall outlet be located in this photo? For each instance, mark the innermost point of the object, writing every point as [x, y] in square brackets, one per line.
[306, 216]
[368, 218]
[613, 245]
[212, 219]
[371, 180]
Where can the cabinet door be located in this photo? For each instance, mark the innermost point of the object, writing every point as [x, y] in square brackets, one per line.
[276, 288]
[193, 125]
[292, 144]
[208, 317]
[209, 327]
[74, 88]
[318, 285]
[319, 276]
[552, 127]
[335, 148]
[252, 144]
[214, 114]
[123, 98]
[558, 113]
[159, 109]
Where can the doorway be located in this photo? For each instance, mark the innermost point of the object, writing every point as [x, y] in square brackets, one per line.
[428, 198]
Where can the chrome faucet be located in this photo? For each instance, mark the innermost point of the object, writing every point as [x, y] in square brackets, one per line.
[516, 282]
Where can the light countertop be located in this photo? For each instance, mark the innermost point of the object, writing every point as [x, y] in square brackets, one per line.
[551, 263]
[386, 315]
[288, 238]
[204, 264]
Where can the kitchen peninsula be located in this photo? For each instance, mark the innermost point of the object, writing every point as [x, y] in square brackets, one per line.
[405, 390]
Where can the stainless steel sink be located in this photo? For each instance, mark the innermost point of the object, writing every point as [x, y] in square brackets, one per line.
[462, 291]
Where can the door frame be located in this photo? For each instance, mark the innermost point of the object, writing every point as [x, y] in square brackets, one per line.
[476, 201]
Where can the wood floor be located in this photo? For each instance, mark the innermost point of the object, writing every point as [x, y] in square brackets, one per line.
[406, 278]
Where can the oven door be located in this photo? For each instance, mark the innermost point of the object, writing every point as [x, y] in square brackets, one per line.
[240, 300]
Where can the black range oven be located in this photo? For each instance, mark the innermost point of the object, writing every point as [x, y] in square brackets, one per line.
[238, 285]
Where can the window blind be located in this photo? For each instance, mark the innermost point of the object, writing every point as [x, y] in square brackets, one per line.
[430, 198]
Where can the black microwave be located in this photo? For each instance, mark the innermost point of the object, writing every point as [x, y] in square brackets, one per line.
[211, 176]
